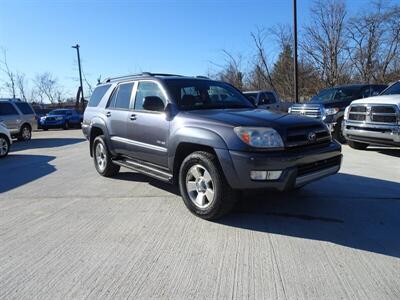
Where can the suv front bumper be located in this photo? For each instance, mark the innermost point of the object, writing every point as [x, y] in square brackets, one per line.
[380, 134]
[298, 167]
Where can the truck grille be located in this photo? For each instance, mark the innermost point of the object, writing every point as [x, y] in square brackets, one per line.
[373, 113]
[318, 165]
[306, 136]
[308, 110]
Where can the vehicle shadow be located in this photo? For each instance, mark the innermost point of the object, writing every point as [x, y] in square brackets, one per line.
[138, 177]
[17, 170]
[389, 151]
[39, 143]
[348, 210]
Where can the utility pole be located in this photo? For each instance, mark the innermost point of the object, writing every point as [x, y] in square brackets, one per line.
[80, 76]
[295, 70]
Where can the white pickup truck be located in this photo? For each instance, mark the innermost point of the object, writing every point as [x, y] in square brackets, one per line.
[374, 120]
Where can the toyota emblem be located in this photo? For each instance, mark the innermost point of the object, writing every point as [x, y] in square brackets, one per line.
[311, 136]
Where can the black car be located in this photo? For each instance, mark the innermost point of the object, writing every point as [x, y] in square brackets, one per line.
[204, 136]
[329, 104]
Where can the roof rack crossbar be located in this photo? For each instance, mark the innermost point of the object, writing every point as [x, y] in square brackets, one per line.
[110, 79]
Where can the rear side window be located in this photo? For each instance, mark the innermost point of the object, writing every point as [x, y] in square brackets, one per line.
[7, 109]
[25, 108]
[121, 97]
[97, 95]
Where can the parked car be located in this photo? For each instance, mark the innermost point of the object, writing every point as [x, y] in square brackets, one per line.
[329, 104]
[204, 136]
[374, 120]
[61, 118]
[264, 99]
[5, 140]
[19, 117]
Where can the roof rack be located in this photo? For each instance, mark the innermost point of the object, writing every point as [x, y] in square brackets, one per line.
[111, 79]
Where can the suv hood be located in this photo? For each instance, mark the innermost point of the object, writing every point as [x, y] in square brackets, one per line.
[385, 99]
[249, 117]
[54, 116]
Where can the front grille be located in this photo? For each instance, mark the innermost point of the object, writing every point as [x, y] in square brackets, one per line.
[383, 119]
[299, 136]
[374, 113]
[318, 165]
[308, 110]
[383, 109]
[356, 117]
[358, 109]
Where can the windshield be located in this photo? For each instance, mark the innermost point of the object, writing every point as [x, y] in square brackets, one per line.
[323, 96]
[394, 89]
[194, 94]
[57, 112]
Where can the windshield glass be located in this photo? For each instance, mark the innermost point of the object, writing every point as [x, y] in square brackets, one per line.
[323, 96]
[202, 94]
[394, 89]
[58, 112]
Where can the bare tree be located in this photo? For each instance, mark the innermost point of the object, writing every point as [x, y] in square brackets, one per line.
[324, 40]
[375, 40]
[21, 84]
[10, 81]
[231, 71]
[47, 86]
[261, 73]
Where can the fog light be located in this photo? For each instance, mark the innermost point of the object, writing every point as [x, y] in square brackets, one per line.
[265, 175]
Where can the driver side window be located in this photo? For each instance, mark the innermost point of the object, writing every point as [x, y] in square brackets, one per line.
[147, 89]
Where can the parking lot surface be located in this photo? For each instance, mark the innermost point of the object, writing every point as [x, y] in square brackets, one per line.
[66, 232]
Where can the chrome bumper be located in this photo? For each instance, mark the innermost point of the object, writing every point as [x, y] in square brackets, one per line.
[352, 130]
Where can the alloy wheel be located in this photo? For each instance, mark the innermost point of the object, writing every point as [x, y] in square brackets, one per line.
[200, 186]
[3, 146]
[101, 157]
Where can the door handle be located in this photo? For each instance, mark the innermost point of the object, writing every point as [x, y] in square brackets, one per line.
[133, 117]
[108, 114]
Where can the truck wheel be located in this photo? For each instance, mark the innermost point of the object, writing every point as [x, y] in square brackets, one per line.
[66, 125]
[338, 132]
[25, 133]
[357, 145]
[102, 158]
[4, 146]
[203, 186]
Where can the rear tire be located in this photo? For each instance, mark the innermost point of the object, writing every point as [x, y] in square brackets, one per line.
[357, 145]
[25, 133]
[102, 158]
[203, 186]
[4, 146]
[66, 125]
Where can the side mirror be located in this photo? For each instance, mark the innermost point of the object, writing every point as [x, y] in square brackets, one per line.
[153, 103]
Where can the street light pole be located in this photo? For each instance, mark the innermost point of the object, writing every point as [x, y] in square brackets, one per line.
[80, 74]
[295, 69]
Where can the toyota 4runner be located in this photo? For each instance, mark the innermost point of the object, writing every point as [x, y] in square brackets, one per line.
[204, 136]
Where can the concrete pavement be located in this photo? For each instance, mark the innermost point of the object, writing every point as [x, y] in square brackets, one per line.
[66, 232]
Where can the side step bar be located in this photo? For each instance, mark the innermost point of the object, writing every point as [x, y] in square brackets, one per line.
[145, 169]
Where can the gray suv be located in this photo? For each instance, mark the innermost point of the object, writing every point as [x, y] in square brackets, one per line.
[204, 136]
[19, 117]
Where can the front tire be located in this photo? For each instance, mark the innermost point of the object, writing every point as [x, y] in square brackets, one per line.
[4, 146]
[338, 132]
[102, 158]
[357, 145]
[203, 186]
[66, 125]
[25, 133]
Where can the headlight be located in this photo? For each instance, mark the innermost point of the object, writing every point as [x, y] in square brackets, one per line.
[2, 124]
[289, 110]
[259, 137]
[59, 118]
[331, 111]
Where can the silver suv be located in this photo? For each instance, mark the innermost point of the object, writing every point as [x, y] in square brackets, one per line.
[19, 117]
